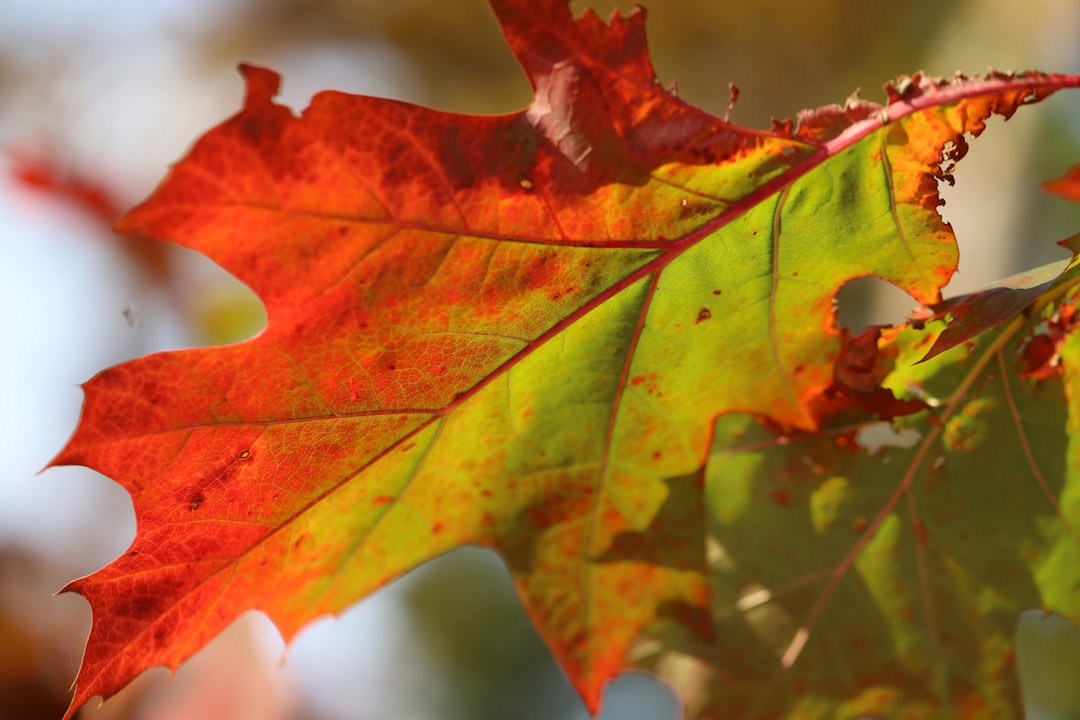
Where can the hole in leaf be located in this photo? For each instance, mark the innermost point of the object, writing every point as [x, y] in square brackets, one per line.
[869, 301]
[877, 435]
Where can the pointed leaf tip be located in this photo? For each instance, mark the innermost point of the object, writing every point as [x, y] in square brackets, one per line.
[545, 34]
[1067, 186]
[263, 85]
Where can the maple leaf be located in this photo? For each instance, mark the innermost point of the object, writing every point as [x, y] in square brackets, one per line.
[512, 331]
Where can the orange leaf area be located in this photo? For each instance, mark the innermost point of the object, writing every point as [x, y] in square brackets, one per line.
[511, 331]
[1067, 186]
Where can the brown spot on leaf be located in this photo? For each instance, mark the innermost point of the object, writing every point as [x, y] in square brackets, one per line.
[703, 315]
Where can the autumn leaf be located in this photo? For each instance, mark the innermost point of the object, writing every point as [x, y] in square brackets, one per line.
[512, 331]
[976, 312]
[1067, 186]
[888, 584]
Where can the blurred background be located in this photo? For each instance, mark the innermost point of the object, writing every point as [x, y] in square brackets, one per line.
[98, 98]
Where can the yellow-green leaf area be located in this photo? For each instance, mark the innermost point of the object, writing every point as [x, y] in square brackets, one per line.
[903, 572]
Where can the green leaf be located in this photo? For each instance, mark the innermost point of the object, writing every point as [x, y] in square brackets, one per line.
[849, 583]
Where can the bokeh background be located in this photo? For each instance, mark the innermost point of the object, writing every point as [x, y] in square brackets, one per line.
[97, 98]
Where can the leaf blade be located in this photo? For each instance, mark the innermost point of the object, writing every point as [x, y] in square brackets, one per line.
[428, 279]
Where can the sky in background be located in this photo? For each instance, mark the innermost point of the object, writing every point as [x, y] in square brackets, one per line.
[125, 103]
[113, 88]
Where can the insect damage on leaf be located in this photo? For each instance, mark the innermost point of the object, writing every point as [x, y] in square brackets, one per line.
[529, 332]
